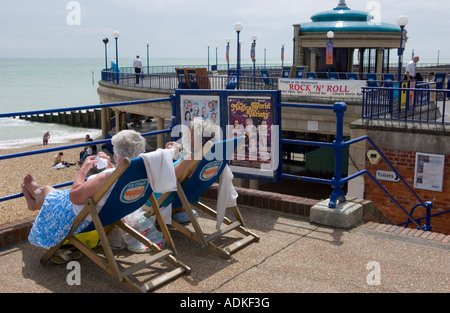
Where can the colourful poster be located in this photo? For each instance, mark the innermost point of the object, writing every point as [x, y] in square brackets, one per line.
[252, 117]
[205, 107]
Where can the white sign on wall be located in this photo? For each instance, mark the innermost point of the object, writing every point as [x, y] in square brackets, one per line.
[429, 171]
[387, 176]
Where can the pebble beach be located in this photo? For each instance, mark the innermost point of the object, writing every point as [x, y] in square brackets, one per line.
[40, 166]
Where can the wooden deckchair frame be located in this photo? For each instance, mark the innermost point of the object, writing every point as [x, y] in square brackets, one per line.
[108, 262]
[198, 234]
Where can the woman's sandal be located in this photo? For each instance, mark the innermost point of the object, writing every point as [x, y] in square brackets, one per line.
[64, 256]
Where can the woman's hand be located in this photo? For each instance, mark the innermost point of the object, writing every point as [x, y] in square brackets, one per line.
[174, 145]
[105, 156]
[89, 163]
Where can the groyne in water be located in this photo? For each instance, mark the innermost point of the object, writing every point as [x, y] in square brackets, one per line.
[85, 118]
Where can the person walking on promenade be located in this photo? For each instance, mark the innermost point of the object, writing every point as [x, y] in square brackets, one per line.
[45, 138]
[410, 72]
[115, 69]
[137, 64]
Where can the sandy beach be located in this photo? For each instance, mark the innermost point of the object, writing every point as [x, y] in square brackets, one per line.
[40, 166]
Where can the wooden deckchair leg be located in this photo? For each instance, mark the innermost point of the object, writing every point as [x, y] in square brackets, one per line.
[162, 223]
[188, 209]
[105, 242]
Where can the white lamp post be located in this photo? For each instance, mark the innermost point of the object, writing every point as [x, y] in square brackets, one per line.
[228, 55]
[209, 45]
[253, 56]
[401, 21]
[148, 62]
[238, 28]
[330, 36]
[116, 36]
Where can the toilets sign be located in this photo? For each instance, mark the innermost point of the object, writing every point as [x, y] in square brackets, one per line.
[322, 88]
[387, 176]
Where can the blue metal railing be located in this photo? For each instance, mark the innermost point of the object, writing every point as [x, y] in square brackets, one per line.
[421, 104]
[338, 145]
[338, 182]
[170, 82]
[90, 143]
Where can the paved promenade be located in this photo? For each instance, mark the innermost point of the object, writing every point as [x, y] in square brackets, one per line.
[292, 256]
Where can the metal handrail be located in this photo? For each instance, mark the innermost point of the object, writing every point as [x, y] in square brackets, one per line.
[379, 103]
[67, 147]
[338, 145]
[337, 182]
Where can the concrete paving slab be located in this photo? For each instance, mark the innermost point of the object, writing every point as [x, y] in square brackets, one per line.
[292, 256]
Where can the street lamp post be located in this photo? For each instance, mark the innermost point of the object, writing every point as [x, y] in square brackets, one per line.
[228, 55]
[217, 46]
[329, 57]
[116, 36]
[265, 53]
[253, 56]
[401, 21]
[209, 45]
[105, 41]
[238, 29]
[148, 59]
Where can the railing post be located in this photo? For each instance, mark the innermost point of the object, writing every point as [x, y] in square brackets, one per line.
[428, 206]
[338, 145]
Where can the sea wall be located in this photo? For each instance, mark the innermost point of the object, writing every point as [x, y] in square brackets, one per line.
[86, 118]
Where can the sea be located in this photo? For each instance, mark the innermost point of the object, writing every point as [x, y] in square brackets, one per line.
[42, 84]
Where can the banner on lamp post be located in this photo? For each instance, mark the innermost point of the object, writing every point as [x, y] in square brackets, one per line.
[252, 52]
[329, 54]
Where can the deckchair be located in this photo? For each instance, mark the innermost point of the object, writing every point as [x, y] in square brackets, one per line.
[333, 75]
[207, 171]
[267, 81]
[371, 80]
[130, 192]
[299, 71]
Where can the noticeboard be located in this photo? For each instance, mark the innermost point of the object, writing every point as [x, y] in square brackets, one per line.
[429, 171]
[253, 114]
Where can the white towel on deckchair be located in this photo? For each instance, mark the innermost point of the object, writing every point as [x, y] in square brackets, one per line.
[161, 175]
[226, 195]
[160, 170]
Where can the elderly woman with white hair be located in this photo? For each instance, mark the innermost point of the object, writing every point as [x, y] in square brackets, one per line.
[58, 208]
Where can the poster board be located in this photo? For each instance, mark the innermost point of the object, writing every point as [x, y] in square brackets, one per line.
[253, 114]
[429, 171]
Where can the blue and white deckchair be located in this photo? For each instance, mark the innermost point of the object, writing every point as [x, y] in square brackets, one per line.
[207, 170]
[130, 192]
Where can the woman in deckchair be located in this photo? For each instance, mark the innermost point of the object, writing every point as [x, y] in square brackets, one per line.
[58, 208]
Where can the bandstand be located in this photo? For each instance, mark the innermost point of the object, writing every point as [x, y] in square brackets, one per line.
[355, 32]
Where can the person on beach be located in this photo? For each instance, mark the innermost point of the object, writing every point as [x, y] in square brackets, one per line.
[58, 161]
[58, 208]
[45, 138]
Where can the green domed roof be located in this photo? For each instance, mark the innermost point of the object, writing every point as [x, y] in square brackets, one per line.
[343, 19]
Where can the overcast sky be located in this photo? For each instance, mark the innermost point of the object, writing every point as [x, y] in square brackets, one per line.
[183, 28]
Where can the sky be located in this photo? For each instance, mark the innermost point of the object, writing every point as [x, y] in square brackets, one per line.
[184, 28]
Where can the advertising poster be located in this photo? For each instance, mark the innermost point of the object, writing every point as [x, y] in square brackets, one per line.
[253, 117]
[429, 171]
[206, 107]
